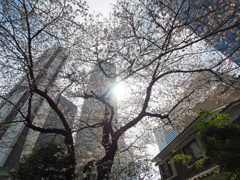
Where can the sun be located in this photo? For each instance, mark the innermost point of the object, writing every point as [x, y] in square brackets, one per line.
[121, 91]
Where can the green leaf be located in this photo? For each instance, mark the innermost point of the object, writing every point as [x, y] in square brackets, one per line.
[181, 157]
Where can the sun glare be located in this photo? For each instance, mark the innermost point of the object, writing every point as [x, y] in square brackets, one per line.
[121, 91]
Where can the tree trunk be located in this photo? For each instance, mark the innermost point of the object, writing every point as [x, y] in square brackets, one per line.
[104, 166]
[70, 173]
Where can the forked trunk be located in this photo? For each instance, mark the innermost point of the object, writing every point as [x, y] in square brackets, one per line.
[104, 166]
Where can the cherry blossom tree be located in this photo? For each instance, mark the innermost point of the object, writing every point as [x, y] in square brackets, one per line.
[163, 52]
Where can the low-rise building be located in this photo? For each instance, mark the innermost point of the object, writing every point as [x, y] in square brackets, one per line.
[188, 143]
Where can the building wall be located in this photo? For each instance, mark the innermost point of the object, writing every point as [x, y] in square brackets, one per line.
[165, 137]
[183, 140]
[183, 171]
[69, 111]
[15, 136]
[227, 42]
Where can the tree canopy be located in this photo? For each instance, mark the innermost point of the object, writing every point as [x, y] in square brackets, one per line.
[162, 51]
[48, 161]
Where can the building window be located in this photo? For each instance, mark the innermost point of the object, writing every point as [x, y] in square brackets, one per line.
[166, 170]
[193, 150]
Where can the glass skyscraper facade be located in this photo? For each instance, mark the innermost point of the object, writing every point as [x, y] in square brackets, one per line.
[165, 137]
[215, 21]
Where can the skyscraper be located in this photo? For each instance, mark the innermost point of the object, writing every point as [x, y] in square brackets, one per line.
[88, 141]
[165, 137]
[216, 21]
[15, 137]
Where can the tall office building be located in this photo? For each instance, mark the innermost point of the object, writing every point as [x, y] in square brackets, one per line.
[88, 141]
[88, 147]
[15, 138]
[209, 16]
[164, 138]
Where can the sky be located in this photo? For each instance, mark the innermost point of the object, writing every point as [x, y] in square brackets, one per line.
[100, 6]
